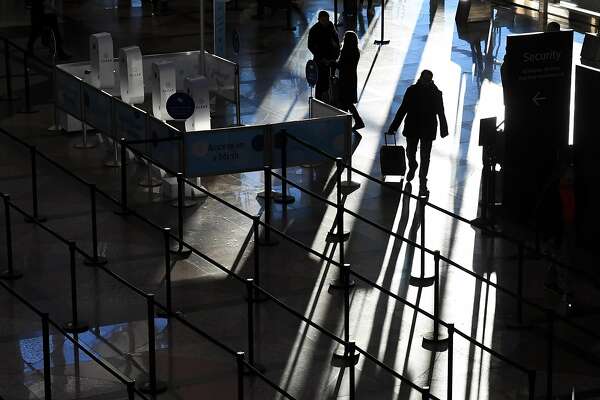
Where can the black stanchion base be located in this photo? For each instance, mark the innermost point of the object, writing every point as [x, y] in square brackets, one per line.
[187, 203]
[123, 213]
[13, 275]
[250, 372]
[39, 218]
[25, 111]
[78, 327]
[95, 262]
[333, 237]
[339, 284]
[343, 360]
[88, 145]
[382, 42]
[160, 313]
[280, 199]
[112, 163]
[180, 252]
[422, 282]
[146, 387]
[267, 242]
[349, 187]
[435, 343]
[152, 182]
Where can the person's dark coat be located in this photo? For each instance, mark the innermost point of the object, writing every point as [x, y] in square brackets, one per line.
[421, 106]
[323, 42]
[348, 81]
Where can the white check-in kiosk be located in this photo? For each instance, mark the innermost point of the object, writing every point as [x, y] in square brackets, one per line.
[164, 81]
[102, 60]
[132, 75]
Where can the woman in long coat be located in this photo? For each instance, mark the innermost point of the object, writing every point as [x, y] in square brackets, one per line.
[347, 84]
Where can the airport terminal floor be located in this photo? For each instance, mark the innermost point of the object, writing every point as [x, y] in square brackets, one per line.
[523, 326]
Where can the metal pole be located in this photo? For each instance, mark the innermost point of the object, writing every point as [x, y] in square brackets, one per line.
[352, 380]
[74, 326]
[28, 109]
[532, 378]
[96, 260]
[167, 239]
[131, 390]
[124, 208]
[255, 234]
[250, 294]
[450, 359]
[239, 356]
[335, 12]
[346, 274]
[268, 203]
[180, 251]
[238, 106]
[382, 41]
[340, 208]
[284, 198]
[9, 273]
[550, 361]
[422, 206]
[9, 93]
[46, 352]
[520, 284]
[152, 386]
[34, 188]
[436, 296]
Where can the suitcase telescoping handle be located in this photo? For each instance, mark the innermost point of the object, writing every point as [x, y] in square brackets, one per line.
[393, 134]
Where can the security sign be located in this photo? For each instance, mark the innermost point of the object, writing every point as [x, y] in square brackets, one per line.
[312, 73]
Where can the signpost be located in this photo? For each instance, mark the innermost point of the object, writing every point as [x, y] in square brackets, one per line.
[536, 79]
[312, 74]
[219, 27]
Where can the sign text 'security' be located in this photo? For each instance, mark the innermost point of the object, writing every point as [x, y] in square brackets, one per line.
[547, 56]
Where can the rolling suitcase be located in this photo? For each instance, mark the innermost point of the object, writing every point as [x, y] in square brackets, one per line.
[392, 159]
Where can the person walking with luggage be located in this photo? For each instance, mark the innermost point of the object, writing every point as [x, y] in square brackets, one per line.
[347, 84]
[324, 44]
[422, 105]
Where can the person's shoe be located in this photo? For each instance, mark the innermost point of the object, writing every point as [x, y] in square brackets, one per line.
[358, 125]
[411, 174]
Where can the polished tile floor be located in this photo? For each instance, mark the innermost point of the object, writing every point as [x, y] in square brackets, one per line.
[296, 357]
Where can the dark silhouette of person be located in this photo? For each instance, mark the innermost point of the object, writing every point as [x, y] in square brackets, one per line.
[421, 106]
[43, 16]
[347, 64]
[324, 44]
[370, 9]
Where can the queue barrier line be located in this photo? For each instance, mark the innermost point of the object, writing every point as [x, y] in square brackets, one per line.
[443, 258]
[128, 382]
[202, 255]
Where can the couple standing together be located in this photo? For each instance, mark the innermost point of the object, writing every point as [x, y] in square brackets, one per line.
[421, 107]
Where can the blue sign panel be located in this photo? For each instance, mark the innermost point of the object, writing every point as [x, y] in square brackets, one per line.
[327, 134]
[223, 151]
[180, 106]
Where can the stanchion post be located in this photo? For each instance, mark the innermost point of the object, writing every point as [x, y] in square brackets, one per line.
[343, 281]
[168, 286]
[425, 393]
[75, 325]
[46, 353]
[532, 378]
[346, 273]
[436, 296]
[382, 41]
[239, 357]
[180, 250]
[267, 241]
[96, 260]
[124, 206]
[153, 386]
[34, 188]
[284, 198]
[131, 390]
[250, 294]
[422, 212]
[8, 71]
[10, 273]
[335, 12]
[352, 380]
[520, 283]
[450, 360]
[550, 355]
[28, 109]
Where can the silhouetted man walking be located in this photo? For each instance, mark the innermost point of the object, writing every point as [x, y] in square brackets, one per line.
[324, 44]
[422, 105]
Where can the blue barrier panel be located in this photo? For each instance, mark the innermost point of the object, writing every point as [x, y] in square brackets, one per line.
[130, 121]
[68, 93]
[167, 153]
[223, 151]
[327, 134]
[96, 104]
